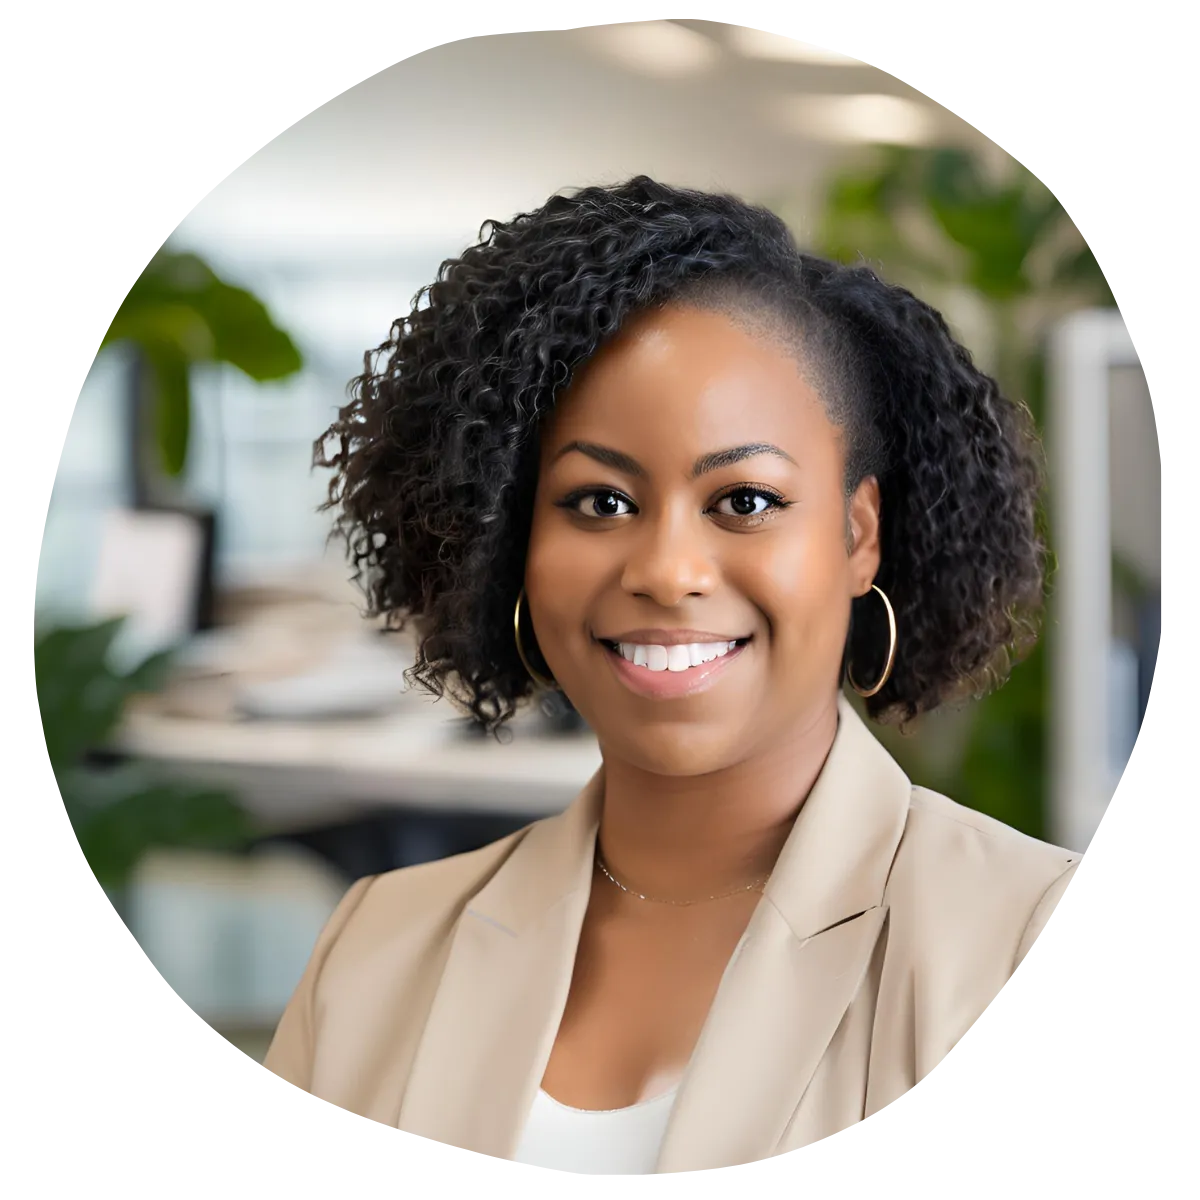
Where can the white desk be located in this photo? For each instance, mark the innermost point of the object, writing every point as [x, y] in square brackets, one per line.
[295, 774]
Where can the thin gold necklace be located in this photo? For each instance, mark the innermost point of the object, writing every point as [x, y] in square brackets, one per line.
[750, 887]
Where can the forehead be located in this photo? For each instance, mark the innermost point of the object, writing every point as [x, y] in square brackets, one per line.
[694, 380]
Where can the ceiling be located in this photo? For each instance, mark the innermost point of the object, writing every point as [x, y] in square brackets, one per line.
[410, 162]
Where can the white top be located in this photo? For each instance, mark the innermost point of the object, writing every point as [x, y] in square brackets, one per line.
[611, 1141]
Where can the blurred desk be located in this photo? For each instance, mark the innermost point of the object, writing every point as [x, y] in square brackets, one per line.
[294, 775]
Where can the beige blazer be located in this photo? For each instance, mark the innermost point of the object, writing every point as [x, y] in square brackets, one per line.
[892, 919]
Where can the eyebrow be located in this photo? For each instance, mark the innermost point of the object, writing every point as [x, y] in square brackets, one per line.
[620, 461]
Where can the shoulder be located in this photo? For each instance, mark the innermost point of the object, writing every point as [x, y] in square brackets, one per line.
[426, 896]
[962, 873]
[378, 956]
[966, 898]
[392, 931]
[937, 823]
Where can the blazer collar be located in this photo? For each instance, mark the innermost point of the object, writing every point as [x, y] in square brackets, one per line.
[484, 1049]
[836, 860]
[799, 965]
[493, 1020]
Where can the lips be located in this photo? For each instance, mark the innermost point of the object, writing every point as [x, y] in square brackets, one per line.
[669, 669]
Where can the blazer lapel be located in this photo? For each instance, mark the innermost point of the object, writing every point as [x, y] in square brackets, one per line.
[491, 1027]
[799, 965]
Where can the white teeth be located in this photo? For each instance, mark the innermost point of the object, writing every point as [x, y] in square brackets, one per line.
[678, 658]
[673, 658]
[703, 652]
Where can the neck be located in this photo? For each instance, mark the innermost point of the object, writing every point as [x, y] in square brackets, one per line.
[674, 835]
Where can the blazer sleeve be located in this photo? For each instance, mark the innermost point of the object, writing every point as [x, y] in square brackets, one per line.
[290, 1054]
[1042, 910]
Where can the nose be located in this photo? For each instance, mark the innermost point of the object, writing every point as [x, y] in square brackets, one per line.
[669, 558]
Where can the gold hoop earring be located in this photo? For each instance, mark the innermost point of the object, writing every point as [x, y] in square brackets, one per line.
[866, 693]
[534, 675]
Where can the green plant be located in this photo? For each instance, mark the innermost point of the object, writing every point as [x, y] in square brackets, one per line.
[119, 808]
[996, 246]
[180, 313]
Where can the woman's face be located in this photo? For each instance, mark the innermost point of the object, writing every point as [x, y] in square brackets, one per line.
[691, 516]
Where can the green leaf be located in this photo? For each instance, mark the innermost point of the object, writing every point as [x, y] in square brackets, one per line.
[151, 674]
[179, 301]
[996, 261]
[180, 313]
[162, 326]
[244, 334]
[951, 176]
[1003, 770]
[80, 647]
[1042, 210]
[863, 217]
[172, 406]
[996, 225]
[80, 695]
[861, 194]
[120, 814]
[171, 274]
[1079, 269]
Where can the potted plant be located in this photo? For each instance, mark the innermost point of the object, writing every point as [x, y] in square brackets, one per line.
[178, 314]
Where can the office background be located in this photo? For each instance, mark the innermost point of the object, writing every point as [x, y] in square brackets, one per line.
[279, 755]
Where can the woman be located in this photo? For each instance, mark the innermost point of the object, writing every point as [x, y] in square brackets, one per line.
[636, 446]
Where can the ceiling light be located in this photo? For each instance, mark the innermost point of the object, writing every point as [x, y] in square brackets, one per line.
[758, 43]
[655, 47]
[863, 117]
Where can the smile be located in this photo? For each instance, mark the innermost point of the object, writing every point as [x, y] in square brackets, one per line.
[662, 672]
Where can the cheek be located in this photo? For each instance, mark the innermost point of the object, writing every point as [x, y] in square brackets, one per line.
[562, 572]
[802, 586]
[543, 579]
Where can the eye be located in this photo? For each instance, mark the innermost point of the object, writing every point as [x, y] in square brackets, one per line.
[743, 503]
[599, 503]
[748, 502]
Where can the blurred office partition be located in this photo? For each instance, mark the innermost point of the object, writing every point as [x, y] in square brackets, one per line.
[1105, 498]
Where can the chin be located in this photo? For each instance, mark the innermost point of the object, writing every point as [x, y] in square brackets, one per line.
[671, 750]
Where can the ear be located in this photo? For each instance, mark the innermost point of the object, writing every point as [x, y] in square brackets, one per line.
[862, 521]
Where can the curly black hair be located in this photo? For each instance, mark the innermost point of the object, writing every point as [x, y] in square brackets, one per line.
[435, 454]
